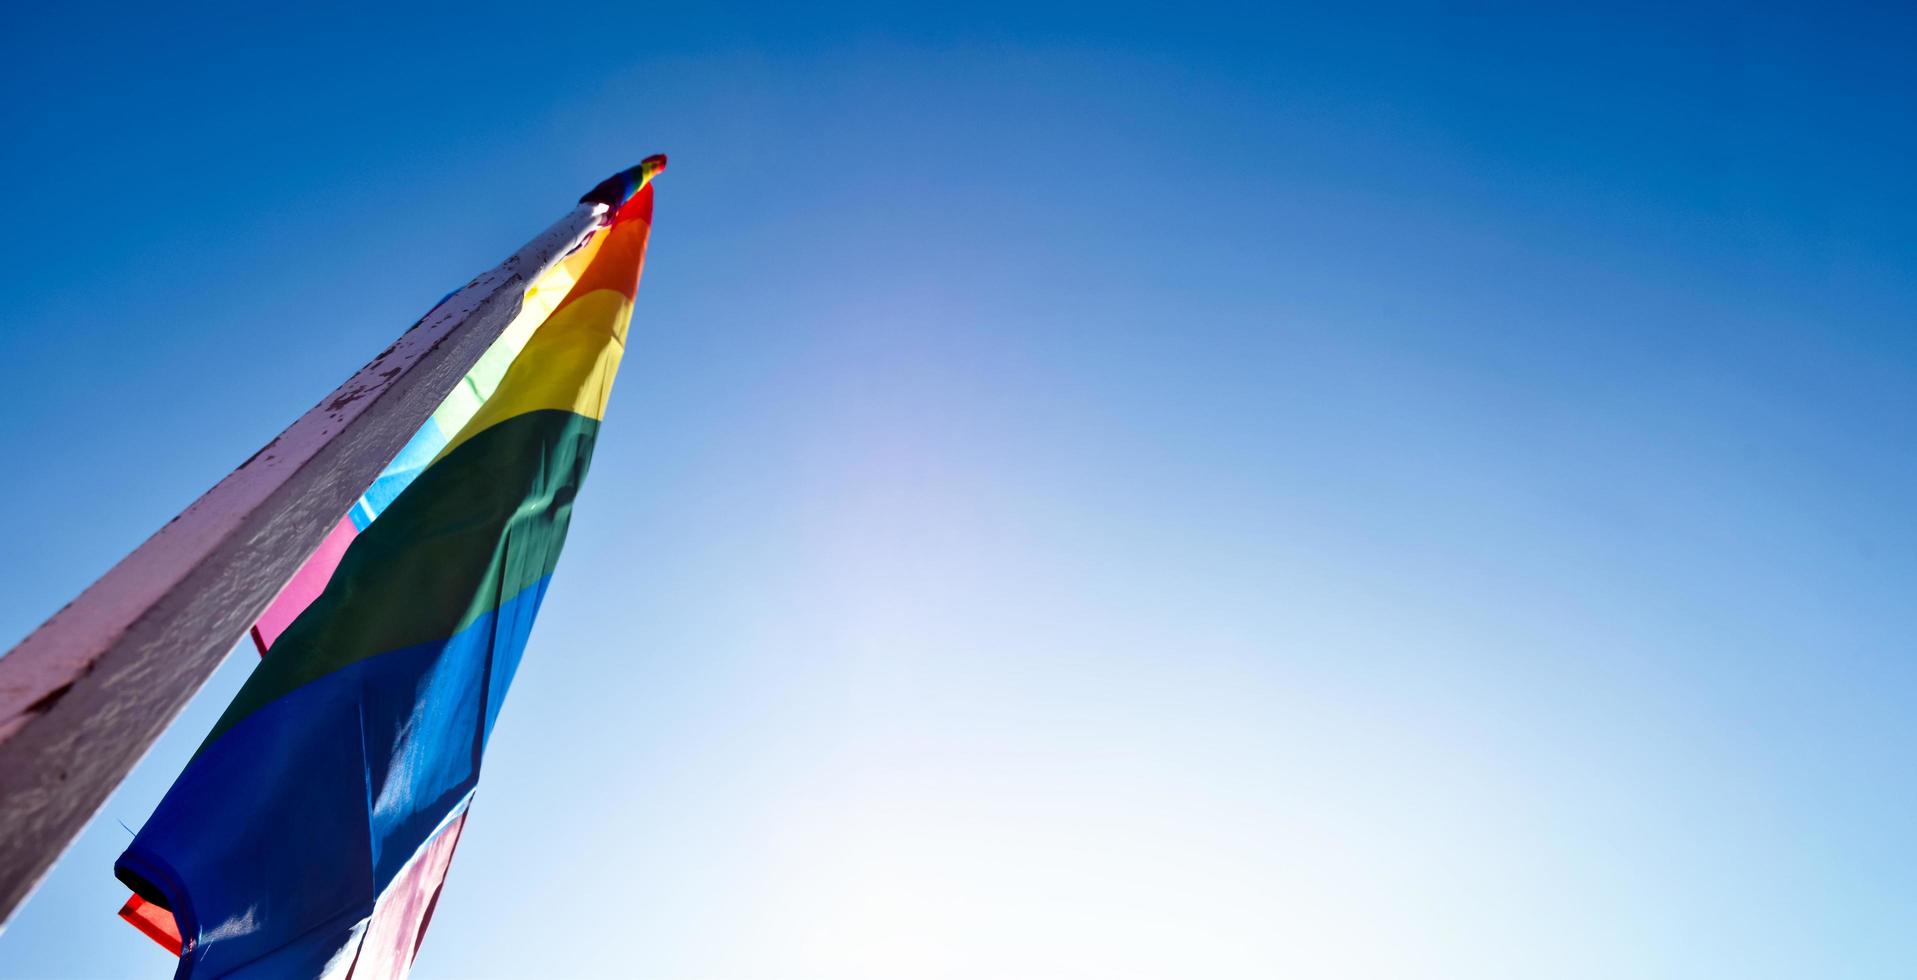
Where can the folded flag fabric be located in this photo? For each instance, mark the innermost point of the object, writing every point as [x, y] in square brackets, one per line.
[540, 299]
[310, 833]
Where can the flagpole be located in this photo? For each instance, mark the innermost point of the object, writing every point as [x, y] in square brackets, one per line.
[84, 696]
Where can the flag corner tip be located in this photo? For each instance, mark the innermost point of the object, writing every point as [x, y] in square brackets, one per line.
[616, 189]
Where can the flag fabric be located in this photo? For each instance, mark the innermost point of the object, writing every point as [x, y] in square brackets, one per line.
[156, 922]
[310, 833]
[540, 299]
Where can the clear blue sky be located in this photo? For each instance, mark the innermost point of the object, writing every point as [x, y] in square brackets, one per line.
[1093, 492]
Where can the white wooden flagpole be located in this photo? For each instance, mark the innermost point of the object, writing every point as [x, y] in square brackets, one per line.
[83, 696]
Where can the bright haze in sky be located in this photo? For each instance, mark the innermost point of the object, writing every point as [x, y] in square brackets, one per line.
[1092, 492]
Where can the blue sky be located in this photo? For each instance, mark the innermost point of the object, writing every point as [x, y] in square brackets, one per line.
[1093, 491]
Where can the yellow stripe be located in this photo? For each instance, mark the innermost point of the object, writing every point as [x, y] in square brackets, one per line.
[568, 364]
[540, 299]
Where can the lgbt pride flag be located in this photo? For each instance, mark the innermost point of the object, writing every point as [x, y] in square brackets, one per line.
[312, 830]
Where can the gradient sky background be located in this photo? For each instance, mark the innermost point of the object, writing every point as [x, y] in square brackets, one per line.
[1093, 492]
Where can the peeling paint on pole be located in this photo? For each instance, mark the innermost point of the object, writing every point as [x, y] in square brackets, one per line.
[83, 696]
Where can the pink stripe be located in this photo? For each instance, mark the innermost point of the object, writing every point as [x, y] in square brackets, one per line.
[305, 586]
[400, 918]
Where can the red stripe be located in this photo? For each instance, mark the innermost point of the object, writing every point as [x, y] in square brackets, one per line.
[156, 922]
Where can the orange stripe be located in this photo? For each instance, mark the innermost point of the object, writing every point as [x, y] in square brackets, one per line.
[617, 264]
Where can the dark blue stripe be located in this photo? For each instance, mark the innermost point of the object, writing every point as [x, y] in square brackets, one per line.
[284, 830]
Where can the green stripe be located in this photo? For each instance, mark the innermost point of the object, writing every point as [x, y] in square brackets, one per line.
[476, 528]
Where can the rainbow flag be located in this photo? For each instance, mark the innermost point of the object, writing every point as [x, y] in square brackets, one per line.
[311, 832]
